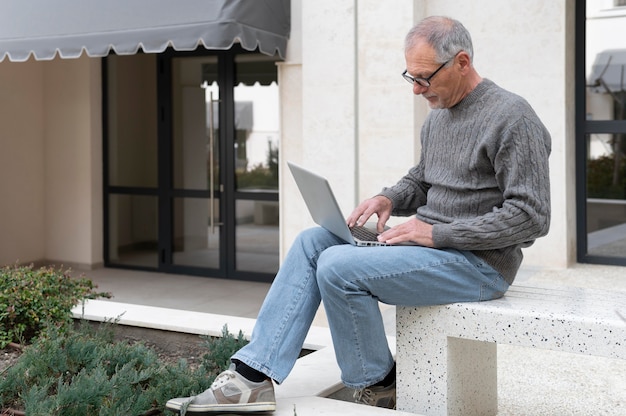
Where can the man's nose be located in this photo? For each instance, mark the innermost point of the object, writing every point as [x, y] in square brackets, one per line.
[418, 89]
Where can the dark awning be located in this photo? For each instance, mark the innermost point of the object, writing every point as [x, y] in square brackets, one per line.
[608, 73]
[45, 28]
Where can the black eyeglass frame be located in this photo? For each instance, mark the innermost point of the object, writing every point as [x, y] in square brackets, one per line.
[423, 82]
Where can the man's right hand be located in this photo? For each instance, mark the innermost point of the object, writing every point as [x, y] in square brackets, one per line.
[379, 205]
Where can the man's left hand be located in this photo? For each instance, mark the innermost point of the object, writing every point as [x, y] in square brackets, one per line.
[413, 230]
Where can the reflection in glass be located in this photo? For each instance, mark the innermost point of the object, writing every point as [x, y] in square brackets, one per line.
[256, 124]
[257, 236]
[606, 196]
[199, 109]
[605, 62]
[133, 232]
[606, 86]
[605, 72]
[194, 242]
[194, 80]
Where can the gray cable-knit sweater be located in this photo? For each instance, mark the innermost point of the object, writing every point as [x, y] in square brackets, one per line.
[483, 179]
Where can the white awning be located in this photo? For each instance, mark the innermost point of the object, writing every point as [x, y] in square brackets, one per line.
[608, 73]
[45, 28]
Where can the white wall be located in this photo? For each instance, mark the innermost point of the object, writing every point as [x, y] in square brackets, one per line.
[360, 122]
[389, 115]
[342, 79]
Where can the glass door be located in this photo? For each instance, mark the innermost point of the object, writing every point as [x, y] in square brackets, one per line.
[255, 155]
[131, 166]
[195, 157]
[224, 138]
[191, 163]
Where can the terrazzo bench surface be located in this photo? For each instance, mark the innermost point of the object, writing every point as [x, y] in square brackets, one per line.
[447, 355]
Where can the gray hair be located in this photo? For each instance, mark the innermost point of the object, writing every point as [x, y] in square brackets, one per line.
[446, 36]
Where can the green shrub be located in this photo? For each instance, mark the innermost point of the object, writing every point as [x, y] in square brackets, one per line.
[220, 349]
[85, 372]
[31, 299]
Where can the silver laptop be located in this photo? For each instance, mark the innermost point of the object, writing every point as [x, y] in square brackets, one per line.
[322, 205]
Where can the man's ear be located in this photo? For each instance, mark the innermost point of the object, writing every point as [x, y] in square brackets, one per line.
[463, 61]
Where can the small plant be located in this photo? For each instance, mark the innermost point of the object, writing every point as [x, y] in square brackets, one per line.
[84, 372]
[220, 349]
[31, 299]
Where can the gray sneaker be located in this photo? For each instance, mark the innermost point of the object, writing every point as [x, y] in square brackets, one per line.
[377, 396]
[230, 392]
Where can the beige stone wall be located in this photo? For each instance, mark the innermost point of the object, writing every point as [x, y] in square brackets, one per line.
[50, 163]
[22, 205]
[73, 161]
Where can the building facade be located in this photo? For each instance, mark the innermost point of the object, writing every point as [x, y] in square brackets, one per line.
[343, 110]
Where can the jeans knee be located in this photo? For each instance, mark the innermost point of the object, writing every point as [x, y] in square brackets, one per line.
[314, 233]
[332, 270]
[316, 238]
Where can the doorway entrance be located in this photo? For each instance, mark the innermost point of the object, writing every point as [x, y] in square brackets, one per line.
[191, 163]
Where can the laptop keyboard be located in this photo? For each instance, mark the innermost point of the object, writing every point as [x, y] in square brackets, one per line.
[364, 234]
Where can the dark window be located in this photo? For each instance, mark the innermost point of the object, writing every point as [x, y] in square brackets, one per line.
[601, 133]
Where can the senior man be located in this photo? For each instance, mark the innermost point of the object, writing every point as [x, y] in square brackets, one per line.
[479, 194]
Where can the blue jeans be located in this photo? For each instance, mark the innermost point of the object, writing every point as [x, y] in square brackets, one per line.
[351, 281]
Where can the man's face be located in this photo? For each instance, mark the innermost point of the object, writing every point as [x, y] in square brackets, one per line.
[444, 86]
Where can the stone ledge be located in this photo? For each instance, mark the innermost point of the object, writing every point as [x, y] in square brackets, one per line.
[177, 320]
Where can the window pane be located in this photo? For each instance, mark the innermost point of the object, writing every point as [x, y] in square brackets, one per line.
[605, 48]
[194, 85]
[133, 230]
[256, 124]
[605, 62]
[257, 236]
[606, 195]
[132, 120]
[196, 239]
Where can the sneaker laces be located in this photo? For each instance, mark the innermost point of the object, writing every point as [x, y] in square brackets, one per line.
[370, 397]
[222, 379]
[364, 396]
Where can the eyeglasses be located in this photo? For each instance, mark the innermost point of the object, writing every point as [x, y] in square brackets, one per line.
[424, 82]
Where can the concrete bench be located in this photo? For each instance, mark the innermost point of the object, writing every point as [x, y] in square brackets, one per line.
[447, 355]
